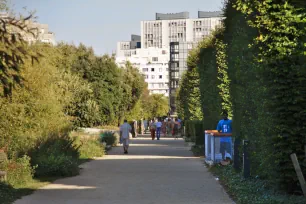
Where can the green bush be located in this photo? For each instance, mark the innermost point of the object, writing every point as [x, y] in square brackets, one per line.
[19, 171]
[57, 156]
[90, 148]
[109, 138]
[195, 131]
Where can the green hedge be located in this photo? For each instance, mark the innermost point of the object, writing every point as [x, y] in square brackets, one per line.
[195, 131]
[254, 68]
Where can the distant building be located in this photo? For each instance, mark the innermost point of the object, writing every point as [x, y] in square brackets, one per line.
[175, 34]
[42, 33]
[177, 66]
[151, 62]
[178, 28]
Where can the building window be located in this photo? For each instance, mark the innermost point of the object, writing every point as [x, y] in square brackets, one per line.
[154, 59]
[152, 85]
[152, 69]
[160, 69]
[161, 85]
[153, 77]
[160, 76]
[164, 52]
[145, 69]
[147, 77]
[167, 69]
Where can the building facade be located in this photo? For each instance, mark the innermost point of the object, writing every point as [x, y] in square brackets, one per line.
[177, 67]
[41, 33]
[175, 34]
[178, 27]
[152, 62]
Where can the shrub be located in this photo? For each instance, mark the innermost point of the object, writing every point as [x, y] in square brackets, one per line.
[19, 171]
[57, 156]
[109, 138]
[90, 148]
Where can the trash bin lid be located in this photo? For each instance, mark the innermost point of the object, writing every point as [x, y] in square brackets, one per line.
[220, 134]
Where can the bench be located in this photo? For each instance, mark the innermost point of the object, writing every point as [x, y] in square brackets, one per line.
[3, 159]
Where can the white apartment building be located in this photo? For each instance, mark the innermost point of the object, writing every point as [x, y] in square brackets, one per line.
[42, 33]
[39, 32]
[178, 28]
[153, 63]
[151, 51]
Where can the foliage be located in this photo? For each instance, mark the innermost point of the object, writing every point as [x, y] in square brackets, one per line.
[58, 156]
[89, 147]
[281, 42]
[195, 130]
[211, 101]
[252, 191]
[156, 105]
[109, 138]
[19, 172]
[254, 69]
[13, 50]
[224, 81]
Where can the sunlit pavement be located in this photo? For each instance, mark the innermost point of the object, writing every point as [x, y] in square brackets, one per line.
[160, 171]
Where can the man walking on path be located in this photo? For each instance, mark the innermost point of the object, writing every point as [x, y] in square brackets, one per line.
[125, 129]
[225, 126]
[158, 128]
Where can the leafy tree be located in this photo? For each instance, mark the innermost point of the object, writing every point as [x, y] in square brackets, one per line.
[13, 50]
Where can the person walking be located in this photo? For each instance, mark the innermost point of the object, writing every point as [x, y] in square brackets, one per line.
[153, 129]
[164, 127]
[125, 130]
[175, 129]
[225, 126]
[168, 126]
[145, 124]
[158, 128]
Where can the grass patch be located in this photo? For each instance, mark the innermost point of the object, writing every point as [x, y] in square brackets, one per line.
[253, 190]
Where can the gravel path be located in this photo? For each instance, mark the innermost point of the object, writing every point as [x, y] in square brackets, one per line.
[154, 172]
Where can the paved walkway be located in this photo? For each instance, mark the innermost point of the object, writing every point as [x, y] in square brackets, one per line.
[154, 172]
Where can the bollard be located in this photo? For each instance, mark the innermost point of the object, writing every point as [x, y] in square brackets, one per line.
[236, 154]
[246, 159]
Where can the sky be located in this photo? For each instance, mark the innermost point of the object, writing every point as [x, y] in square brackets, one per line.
[102, 23]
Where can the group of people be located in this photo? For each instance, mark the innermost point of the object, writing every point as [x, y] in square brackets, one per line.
[166, 126]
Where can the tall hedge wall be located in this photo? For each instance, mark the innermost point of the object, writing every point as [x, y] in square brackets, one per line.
[254, 68]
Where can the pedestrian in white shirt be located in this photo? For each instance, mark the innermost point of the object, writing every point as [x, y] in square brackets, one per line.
[125, 130]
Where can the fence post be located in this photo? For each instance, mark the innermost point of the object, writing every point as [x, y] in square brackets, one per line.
[236, 154]
[246, 159]
[299, 172]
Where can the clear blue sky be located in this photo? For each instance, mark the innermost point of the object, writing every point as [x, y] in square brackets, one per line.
[102, 23]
